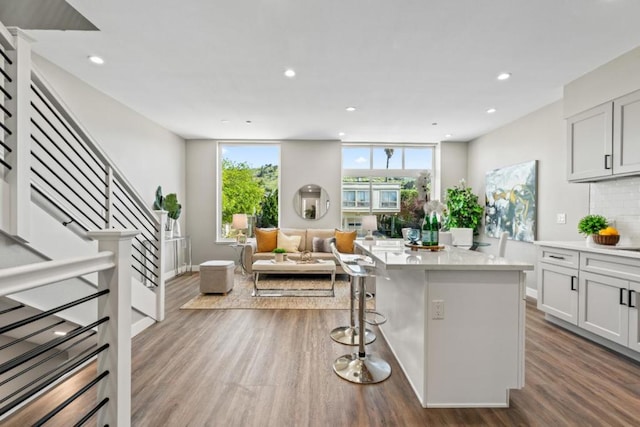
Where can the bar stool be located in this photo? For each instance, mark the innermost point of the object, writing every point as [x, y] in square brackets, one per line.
[349, 334]
[360, 367]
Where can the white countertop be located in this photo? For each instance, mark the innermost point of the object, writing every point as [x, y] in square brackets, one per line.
[394, 255]
[582, 245]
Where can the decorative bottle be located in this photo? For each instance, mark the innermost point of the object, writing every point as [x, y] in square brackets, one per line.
[426, 231]
[434, 227]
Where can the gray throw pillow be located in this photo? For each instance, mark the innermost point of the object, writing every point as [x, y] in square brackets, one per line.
[322, 245]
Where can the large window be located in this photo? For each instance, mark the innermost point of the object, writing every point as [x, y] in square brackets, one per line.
[381, 180]
[248, 184]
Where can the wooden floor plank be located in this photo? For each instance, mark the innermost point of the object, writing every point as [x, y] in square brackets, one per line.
[274, 368]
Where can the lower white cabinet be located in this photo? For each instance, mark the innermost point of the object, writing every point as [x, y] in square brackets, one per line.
[603, 306]
[599, 295]
[634, 318]
[558, 291]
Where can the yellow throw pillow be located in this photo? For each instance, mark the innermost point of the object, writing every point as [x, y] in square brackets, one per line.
[288, 243]
[344, 241]
[266, 240]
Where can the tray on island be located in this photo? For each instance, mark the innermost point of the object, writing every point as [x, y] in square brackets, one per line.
[434, 248]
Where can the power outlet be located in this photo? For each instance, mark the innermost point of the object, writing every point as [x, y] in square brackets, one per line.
[437, 306]
[561, 218]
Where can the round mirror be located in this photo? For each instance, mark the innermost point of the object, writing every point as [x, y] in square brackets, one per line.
[311, 202]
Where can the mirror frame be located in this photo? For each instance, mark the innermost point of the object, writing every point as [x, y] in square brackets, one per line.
[321, 202]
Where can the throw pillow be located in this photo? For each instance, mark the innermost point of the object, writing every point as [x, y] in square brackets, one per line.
[344, 241]
[288, 243]
[266, 240]
[322, 245]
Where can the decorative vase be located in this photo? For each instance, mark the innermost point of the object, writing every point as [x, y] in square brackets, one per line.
[169, 228]
[279, 257]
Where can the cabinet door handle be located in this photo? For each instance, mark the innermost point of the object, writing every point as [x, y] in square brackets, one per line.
[631, 292]
[607, 161]
[622, 296]
[573, 283]
[556, 257]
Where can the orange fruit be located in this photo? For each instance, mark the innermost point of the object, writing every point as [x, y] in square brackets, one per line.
[609, 231]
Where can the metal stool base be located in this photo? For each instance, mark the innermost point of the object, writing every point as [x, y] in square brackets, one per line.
[367, 370]
[349, 336]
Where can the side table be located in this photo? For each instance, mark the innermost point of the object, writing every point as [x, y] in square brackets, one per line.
[239, 249]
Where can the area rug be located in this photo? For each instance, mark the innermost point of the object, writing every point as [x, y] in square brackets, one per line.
[240, 297]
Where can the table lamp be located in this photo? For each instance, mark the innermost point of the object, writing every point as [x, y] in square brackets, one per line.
[240, 223]
[369, 223]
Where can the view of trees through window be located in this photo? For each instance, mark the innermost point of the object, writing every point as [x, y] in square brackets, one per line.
[381, 181]
[249, 176]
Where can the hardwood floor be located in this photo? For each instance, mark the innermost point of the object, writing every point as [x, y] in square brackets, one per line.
[273, 368]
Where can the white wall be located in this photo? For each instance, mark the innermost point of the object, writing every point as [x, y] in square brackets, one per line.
[611, 80]
[301, 162]
[147, 154]
[454, 164]
[310, 162]
[540, 136]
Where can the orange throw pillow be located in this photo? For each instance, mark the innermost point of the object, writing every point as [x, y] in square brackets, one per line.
[266, 240]
[344, 241]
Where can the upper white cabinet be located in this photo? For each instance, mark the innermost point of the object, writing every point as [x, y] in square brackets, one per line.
[589, 138]
[604, 141]
[626, 134]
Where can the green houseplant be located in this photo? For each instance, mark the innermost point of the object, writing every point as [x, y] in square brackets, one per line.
[279, 254]
[463, 209]
[592, 224]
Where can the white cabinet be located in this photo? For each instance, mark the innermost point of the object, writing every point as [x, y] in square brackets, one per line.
[589, 139]
[634, 318]
[603, 308]
[558, 283]
[596, 292]
[604, 141]
[626, 134]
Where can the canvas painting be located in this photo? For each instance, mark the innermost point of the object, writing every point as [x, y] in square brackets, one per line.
[511, 201]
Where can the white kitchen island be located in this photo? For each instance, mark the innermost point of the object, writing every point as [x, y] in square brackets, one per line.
[455, 321]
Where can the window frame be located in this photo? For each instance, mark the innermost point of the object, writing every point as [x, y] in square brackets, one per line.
[370, 173]
[219, 157]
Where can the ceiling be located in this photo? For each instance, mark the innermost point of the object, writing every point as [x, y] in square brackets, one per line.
[416, 70]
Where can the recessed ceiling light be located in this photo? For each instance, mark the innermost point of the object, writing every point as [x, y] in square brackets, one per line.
[248, 122]
[96, 60]
[504, 76]
[224, 121]
[61, 333]
[448, 135]
[434, 124]
[341, 134]
[491, 110]
[350, 109]
[289, 73]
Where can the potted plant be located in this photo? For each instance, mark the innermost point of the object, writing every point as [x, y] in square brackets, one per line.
[463, 209]
[279, 254]
[592, 224]
[173, 208]
[596, 228]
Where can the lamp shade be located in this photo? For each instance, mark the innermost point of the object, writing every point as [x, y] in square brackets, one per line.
[370, 223]
[239, 221]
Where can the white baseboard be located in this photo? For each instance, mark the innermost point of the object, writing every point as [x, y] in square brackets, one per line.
[533, 293]
[141, 325]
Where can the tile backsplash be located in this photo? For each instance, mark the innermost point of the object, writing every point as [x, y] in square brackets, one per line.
[619, 201]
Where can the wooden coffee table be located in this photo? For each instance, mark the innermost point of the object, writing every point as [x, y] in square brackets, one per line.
[293, 267]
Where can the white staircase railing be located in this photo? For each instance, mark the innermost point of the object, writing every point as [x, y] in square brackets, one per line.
[48, 158]
[113, 324]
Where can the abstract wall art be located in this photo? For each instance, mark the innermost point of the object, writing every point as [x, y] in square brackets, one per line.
[511, 201]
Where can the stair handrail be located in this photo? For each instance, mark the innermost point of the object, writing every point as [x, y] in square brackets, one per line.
[114, 281]
[85, 136]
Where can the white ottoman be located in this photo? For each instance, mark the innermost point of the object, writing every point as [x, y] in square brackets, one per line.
[216, 277]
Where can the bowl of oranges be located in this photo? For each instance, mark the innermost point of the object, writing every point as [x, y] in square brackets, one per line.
[607, 236]
[599, 229]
